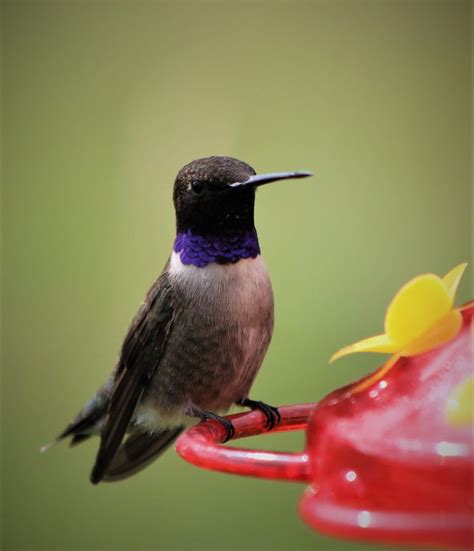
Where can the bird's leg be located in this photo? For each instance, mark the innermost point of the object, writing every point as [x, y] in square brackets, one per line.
[195, 411]
[271, 413]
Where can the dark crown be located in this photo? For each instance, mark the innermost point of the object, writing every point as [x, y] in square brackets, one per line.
[203, 201]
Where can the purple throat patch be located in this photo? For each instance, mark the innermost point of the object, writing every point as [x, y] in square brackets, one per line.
[201, 250]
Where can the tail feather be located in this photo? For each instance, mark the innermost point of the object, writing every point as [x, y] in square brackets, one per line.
[78, 438]
[80, 431]
[85, 423]
[135, 453]
[138, 451]
[80, 426]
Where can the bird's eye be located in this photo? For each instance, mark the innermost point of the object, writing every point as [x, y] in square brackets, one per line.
[197, 186]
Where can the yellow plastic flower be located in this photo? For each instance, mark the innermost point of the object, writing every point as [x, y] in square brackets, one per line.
[420, 317]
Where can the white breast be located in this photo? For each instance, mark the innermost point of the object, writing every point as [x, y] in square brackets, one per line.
[244, 287]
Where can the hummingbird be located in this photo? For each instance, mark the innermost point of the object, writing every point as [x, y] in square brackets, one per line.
[200, 336]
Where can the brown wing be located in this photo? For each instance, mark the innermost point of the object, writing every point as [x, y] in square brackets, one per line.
[138, 451]
[140, 356]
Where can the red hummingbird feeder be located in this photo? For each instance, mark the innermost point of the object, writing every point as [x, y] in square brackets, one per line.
[389, 458]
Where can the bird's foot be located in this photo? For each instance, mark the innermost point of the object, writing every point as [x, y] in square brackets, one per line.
[194, 411]
[271, 413]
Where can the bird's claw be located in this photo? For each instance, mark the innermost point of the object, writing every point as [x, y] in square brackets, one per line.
[193, 411]
[228, 426]
[272, 415]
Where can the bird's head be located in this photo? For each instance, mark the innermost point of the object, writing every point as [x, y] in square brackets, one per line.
[216, 195]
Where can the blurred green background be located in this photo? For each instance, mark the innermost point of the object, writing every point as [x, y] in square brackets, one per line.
[103, 102]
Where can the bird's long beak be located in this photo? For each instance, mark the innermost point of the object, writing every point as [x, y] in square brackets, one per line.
[261, 179]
